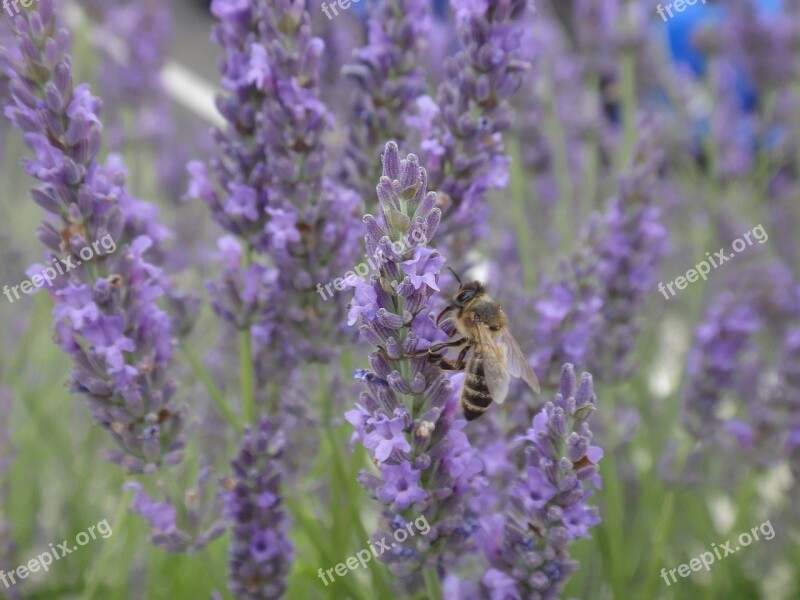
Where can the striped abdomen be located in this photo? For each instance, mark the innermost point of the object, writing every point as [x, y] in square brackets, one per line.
[475, 397]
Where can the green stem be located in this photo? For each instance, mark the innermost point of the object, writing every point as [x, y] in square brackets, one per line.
[613, 524]
[211, 387]
[659, 541]
[593, 166]
[525, 237]
[557, 136]
[247, 373]
[628, 91]
[100, 567]
[220, 586]
[432, 585]
[311, 526]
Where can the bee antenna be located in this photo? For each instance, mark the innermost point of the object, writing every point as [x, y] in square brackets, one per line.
[458, 279]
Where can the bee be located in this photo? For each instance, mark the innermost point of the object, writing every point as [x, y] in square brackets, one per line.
[482, 326]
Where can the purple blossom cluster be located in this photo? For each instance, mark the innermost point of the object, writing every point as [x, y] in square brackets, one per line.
[788, 395]
[6, 74]
[185, 527]
[408, 417]
[106, 315]
[389, 78]
[527, 545]
[289, 224]
[288, 186]
[546, 159]
[292, 226]
[723, 344]
[728, 362]
[589, 313]
[238, 202]
[133, 40]
[260, 553]
[568, 310]
[462, 131]
[629, 255]
[751, 53]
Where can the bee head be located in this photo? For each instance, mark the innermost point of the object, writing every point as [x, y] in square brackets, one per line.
[467, 292]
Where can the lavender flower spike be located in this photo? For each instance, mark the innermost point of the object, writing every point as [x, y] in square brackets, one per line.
[463, 131]
[723, 358]
[294, 228]
[528, 547]
[388, 78]
[106, 316]
[630, 252]
[408, 418]
[187, 527]
[260, 552]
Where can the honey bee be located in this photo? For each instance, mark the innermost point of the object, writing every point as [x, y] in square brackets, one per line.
[481, 325]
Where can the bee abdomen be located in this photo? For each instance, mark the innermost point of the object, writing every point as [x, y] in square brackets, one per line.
[475, 398]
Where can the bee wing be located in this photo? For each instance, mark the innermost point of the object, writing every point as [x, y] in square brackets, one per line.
[494, 364]
[516, 362]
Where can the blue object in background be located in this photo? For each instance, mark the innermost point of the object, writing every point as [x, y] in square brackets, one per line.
[439, 8]
[681, 28]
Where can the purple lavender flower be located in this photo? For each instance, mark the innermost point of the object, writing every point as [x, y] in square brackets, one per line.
[630, 250]
[132, 40]
[597, 33]
[589, 313]
[762, 44]
[6, 74]
[239, 162]
[717, 362]
[464, 145]
[388, 79]
[769, 431]
[260, 552]
[408, 417]
[186, 527]
[568, 310]
[267, 184]
[528, 545]
[788, 397]
[106, 316]
[728, 362]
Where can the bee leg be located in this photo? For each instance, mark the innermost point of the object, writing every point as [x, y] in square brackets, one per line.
[448, 365]
[436, 347]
